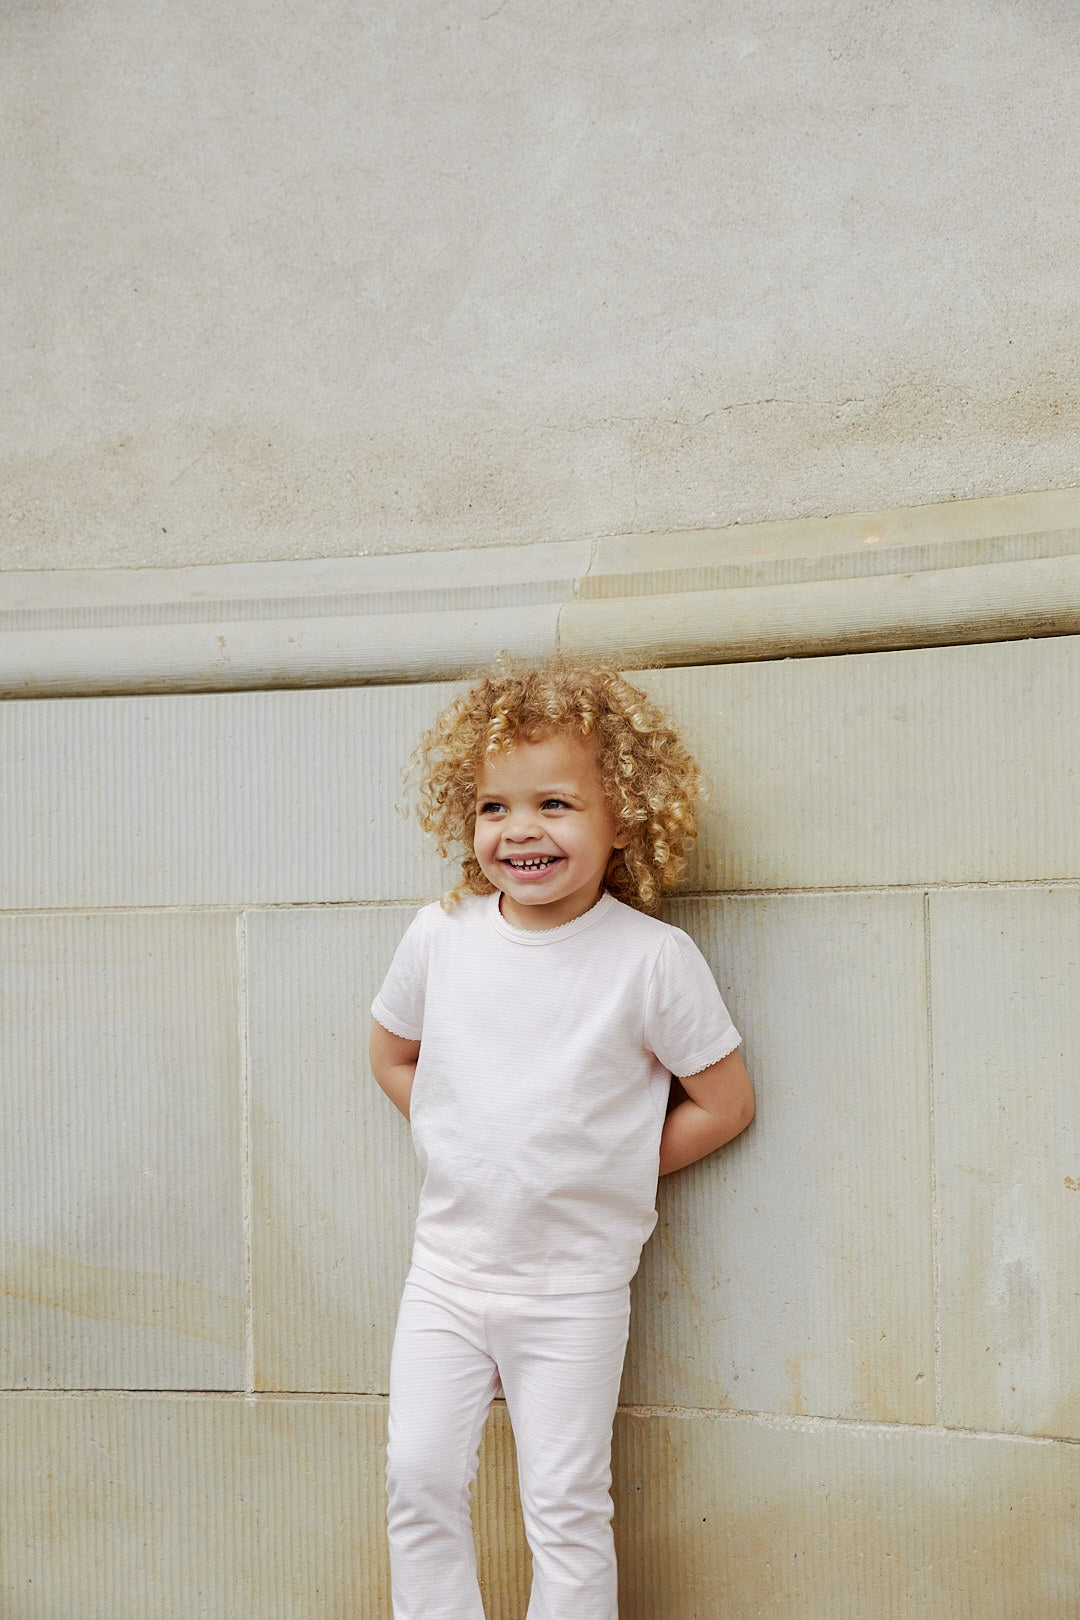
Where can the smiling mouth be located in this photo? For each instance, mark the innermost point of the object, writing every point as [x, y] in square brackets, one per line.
[530, 863]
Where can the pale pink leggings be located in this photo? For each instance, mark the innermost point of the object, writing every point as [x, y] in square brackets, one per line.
[559, 1358]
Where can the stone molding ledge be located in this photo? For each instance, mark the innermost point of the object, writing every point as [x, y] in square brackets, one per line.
[967, 571]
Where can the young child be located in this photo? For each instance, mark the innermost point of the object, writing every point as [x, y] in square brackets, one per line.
[529, 1026]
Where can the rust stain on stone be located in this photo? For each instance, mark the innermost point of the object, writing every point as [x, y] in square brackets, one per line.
[305, 1337]
[796, 1377]
[878, 1376]
[113, 1294]
[822, 1523]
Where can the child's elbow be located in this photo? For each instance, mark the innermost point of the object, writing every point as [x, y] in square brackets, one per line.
[747, 1105]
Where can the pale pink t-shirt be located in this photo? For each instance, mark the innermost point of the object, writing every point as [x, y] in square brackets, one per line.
[542, 1084]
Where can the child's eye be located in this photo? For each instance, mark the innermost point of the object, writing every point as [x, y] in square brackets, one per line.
[560, 803]
[489, 807]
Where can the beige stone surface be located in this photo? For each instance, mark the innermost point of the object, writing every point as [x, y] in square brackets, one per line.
[843, 545]
[792, 1271]
[122, 1507]
[253, 635]
[334, 1175]
[116, 1507]
[790, 1275]
[993, 602]
[226, 799]
[967, 571]
[310, 283]
[1005, 973]
[936, 765]
[225, 655]
[121, 1242]
[496, 576]
[745, 1518]
[939, 765]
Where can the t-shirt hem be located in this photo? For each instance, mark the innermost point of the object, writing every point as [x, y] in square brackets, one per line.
[495, 1283]
[725, 1049]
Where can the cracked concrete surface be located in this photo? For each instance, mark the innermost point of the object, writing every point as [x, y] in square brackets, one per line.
[391, 280]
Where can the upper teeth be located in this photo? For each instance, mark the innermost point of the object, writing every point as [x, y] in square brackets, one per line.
[533, 860]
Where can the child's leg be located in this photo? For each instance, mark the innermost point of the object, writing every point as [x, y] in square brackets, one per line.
[442, 1382]
[561, 1361]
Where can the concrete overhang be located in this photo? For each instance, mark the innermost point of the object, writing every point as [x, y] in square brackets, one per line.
[967, 571]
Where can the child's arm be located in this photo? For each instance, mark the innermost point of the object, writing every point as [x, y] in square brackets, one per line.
[718, 1105]
[393, 1063]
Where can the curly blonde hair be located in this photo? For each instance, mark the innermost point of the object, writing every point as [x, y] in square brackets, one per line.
[649, 778]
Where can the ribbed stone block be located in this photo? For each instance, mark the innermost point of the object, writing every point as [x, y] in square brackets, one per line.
[791, 1271]
[121, 1183]
[745, 1517]
[118, 1507]
[942, 765]
[334, 1176]
[121, 1507]
[215, 799]
[1006, 992]
[905, 767]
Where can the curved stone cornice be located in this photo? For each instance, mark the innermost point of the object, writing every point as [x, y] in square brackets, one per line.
[923, 576]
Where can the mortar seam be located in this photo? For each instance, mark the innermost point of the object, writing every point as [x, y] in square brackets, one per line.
[935, 1222]
[391, 902]
[781, 1420]
[245, 1137]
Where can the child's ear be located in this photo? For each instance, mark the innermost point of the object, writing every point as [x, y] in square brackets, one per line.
[620, 840]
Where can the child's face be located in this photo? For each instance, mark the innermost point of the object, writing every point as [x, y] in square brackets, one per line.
[543, 803]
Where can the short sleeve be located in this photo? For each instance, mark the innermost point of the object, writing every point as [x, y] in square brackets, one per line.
[399, 1005]
[686, 1023]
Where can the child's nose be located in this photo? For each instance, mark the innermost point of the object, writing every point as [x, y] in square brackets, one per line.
[521, 824]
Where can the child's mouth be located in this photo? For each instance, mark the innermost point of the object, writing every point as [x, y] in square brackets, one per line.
[531, 865]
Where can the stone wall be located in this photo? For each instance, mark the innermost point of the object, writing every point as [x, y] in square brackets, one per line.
[852, 1383]
[299, 285]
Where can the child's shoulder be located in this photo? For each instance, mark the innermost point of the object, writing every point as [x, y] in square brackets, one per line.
[433, 928]
[437, 918]
[642, 926]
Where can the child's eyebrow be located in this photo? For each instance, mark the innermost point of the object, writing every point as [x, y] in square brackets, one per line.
[554, 792]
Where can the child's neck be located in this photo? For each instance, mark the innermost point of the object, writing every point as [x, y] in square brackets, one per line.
[537, 920]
